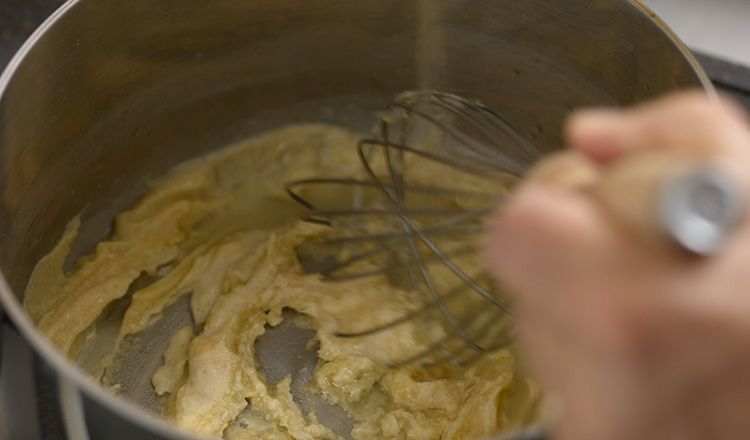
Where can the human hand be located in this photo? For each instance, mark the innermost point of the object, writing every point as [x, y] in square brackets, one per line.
[636, 339]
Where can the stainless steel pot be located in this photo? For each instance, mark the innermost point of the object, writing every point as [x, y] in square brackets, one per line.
[109, 92]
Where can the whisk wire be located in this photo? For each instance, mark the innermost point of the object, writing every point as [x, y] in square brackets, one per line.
[464, 136]
[432, 246]
[452, 293]
[492, 126]
[396, 200]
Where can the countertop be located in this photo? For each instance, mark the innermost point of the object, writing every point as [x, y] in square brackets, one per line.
[720, 28]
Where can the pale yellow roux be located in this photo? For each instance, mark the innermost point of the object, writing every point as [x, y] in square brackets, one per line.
[240, 274]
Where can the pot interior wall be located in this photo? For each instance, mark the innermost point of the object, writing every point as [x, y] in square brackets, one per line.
[118, 91]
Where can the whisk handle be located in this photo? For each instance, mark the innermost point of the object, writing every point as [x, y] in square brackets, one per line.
[691, 200]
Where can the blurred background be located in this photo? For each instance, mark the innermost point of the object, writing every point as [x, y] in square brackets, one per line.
[717, 31]
[18, 18]
[717, 27]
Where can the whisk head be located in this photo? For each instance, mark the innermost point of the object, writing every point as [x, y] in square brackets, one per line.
[438, 166]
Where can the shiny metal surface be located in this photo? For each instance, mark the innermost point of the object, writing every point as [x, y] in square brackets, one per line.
[110, 92]
[700, 208]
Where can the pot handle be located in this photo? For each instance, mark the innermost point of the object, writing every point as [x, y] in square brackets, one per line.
[2, 337]
[6, 326]
[71, 404]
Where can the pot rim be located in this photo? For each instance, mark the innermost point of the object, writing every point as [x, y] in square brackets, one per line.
[15, 312]
[706, 83]
[66, 369]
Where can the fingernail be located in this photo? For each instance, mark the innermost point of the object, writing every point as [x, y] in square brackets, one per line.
[585, 122]
[596, 133]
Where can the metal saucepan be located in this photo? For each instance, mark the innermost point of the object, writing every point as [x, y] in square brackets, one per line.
[109, 92]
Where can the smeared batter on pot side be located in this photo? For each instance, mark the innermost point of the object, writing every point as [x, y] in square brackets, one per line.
[192, 231]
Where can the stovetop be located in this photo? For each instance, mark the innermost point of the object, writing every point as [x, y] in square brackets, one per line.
[18, 19]
[728, 78]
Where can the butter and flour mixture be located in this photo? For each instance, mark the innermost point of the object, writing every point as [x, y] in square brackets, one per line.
[222, 231]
